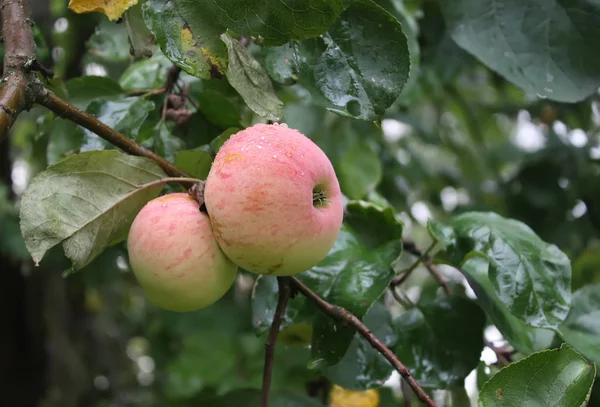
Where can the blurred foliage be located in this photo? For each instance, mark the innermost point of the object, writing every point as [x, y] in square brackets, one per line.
[444, 130]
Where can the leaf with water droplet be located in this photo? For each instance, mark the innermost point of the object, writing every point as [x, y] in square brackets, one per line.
[380, 66]
[532, 60]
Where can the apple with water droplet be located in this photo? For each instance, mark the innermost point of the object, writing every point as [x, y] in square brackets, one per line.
[274, 200]
[174, 256]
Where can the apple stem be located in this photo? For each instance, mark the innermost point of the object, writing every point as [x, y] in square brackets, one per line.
[319, 198]
[285, 291]
[196, 191]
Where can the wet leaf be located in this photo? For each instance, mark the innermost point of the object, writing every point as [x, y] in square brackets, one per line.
[531, 277]
[363, 367]
[275, 22]
[187, 36]
[140, 37]
[581, 328]
[549, 51]
[359, 66]
[555, 377]
[440, 342]
[251, 80]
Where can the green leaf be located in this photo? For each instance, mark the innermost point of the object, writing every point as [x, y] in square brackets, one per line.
[485, 373]
[195, 162]
[359, 171]
[363, 367]
[207, 359]
[440, 342]
[87, 202]
[188, 36]
[547, 50]
[109, 42]
[66, 138]
[411, 29]
[140, 37]
[279, 64]
[218, 141]
[251, 80]
[275, 22]
[125, 116]
[524, 338]
[441, 233]
[298, 318]
[352, 276]
[581, 328]
[82, 90]
[164, 142]
[359, 67]
[217, 107]
[531, 277]
[556, 377]
[375, 225]
[146, 74]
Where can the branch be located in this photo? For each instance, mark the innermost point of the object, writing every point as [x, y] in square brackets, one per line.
[346, 317]
[86, 120]
[423, 257]
[19, 49]
[284, 296]
[502, 355]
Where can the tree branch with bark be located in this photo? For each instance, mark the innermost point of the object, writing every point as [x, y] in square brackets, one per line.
[18, 82]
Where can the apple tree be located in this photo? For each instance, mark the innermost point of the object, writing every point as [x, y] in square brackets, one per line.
[300, 203]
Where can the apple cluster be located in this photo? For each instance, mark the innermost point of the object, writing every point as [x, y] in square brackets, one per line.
[274, 208]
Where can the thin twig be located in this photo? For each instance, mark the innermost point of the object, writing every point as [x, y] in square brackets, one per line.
[145, 92]
[284, 296]
[86, 120]
[19, 49]
[501, 354]
[346, 317]
[402, 298]
[422, 257]
[189, 98]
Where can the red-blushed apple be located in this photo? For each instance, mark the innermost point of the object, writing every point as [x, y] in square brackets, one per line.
[174, 256]
[274, 200]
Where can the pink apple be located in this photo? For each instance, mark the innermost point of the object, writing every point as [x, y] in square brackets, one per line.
[274, 200]
[175, 257]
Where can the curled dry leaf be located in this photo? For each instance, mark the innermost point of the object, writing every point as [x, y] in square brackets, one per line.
[113, 9]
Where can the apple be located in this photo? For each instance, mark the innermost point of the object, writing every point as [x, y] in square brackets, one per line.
[273, 200]
[174, 256]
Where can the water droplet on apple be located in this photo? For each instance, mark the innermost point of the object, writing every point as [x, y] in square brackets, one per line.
[302, 173]
[274, 156]
[283, 125]
[259, 146]
[163, 205]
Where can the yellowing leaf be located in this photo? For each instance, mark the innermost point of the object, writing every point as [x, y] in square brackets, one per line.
[113, 9]
[341, 397]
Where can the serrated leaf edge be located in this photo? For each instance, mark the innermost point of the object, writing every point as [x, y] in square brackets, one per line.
[562, 346]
